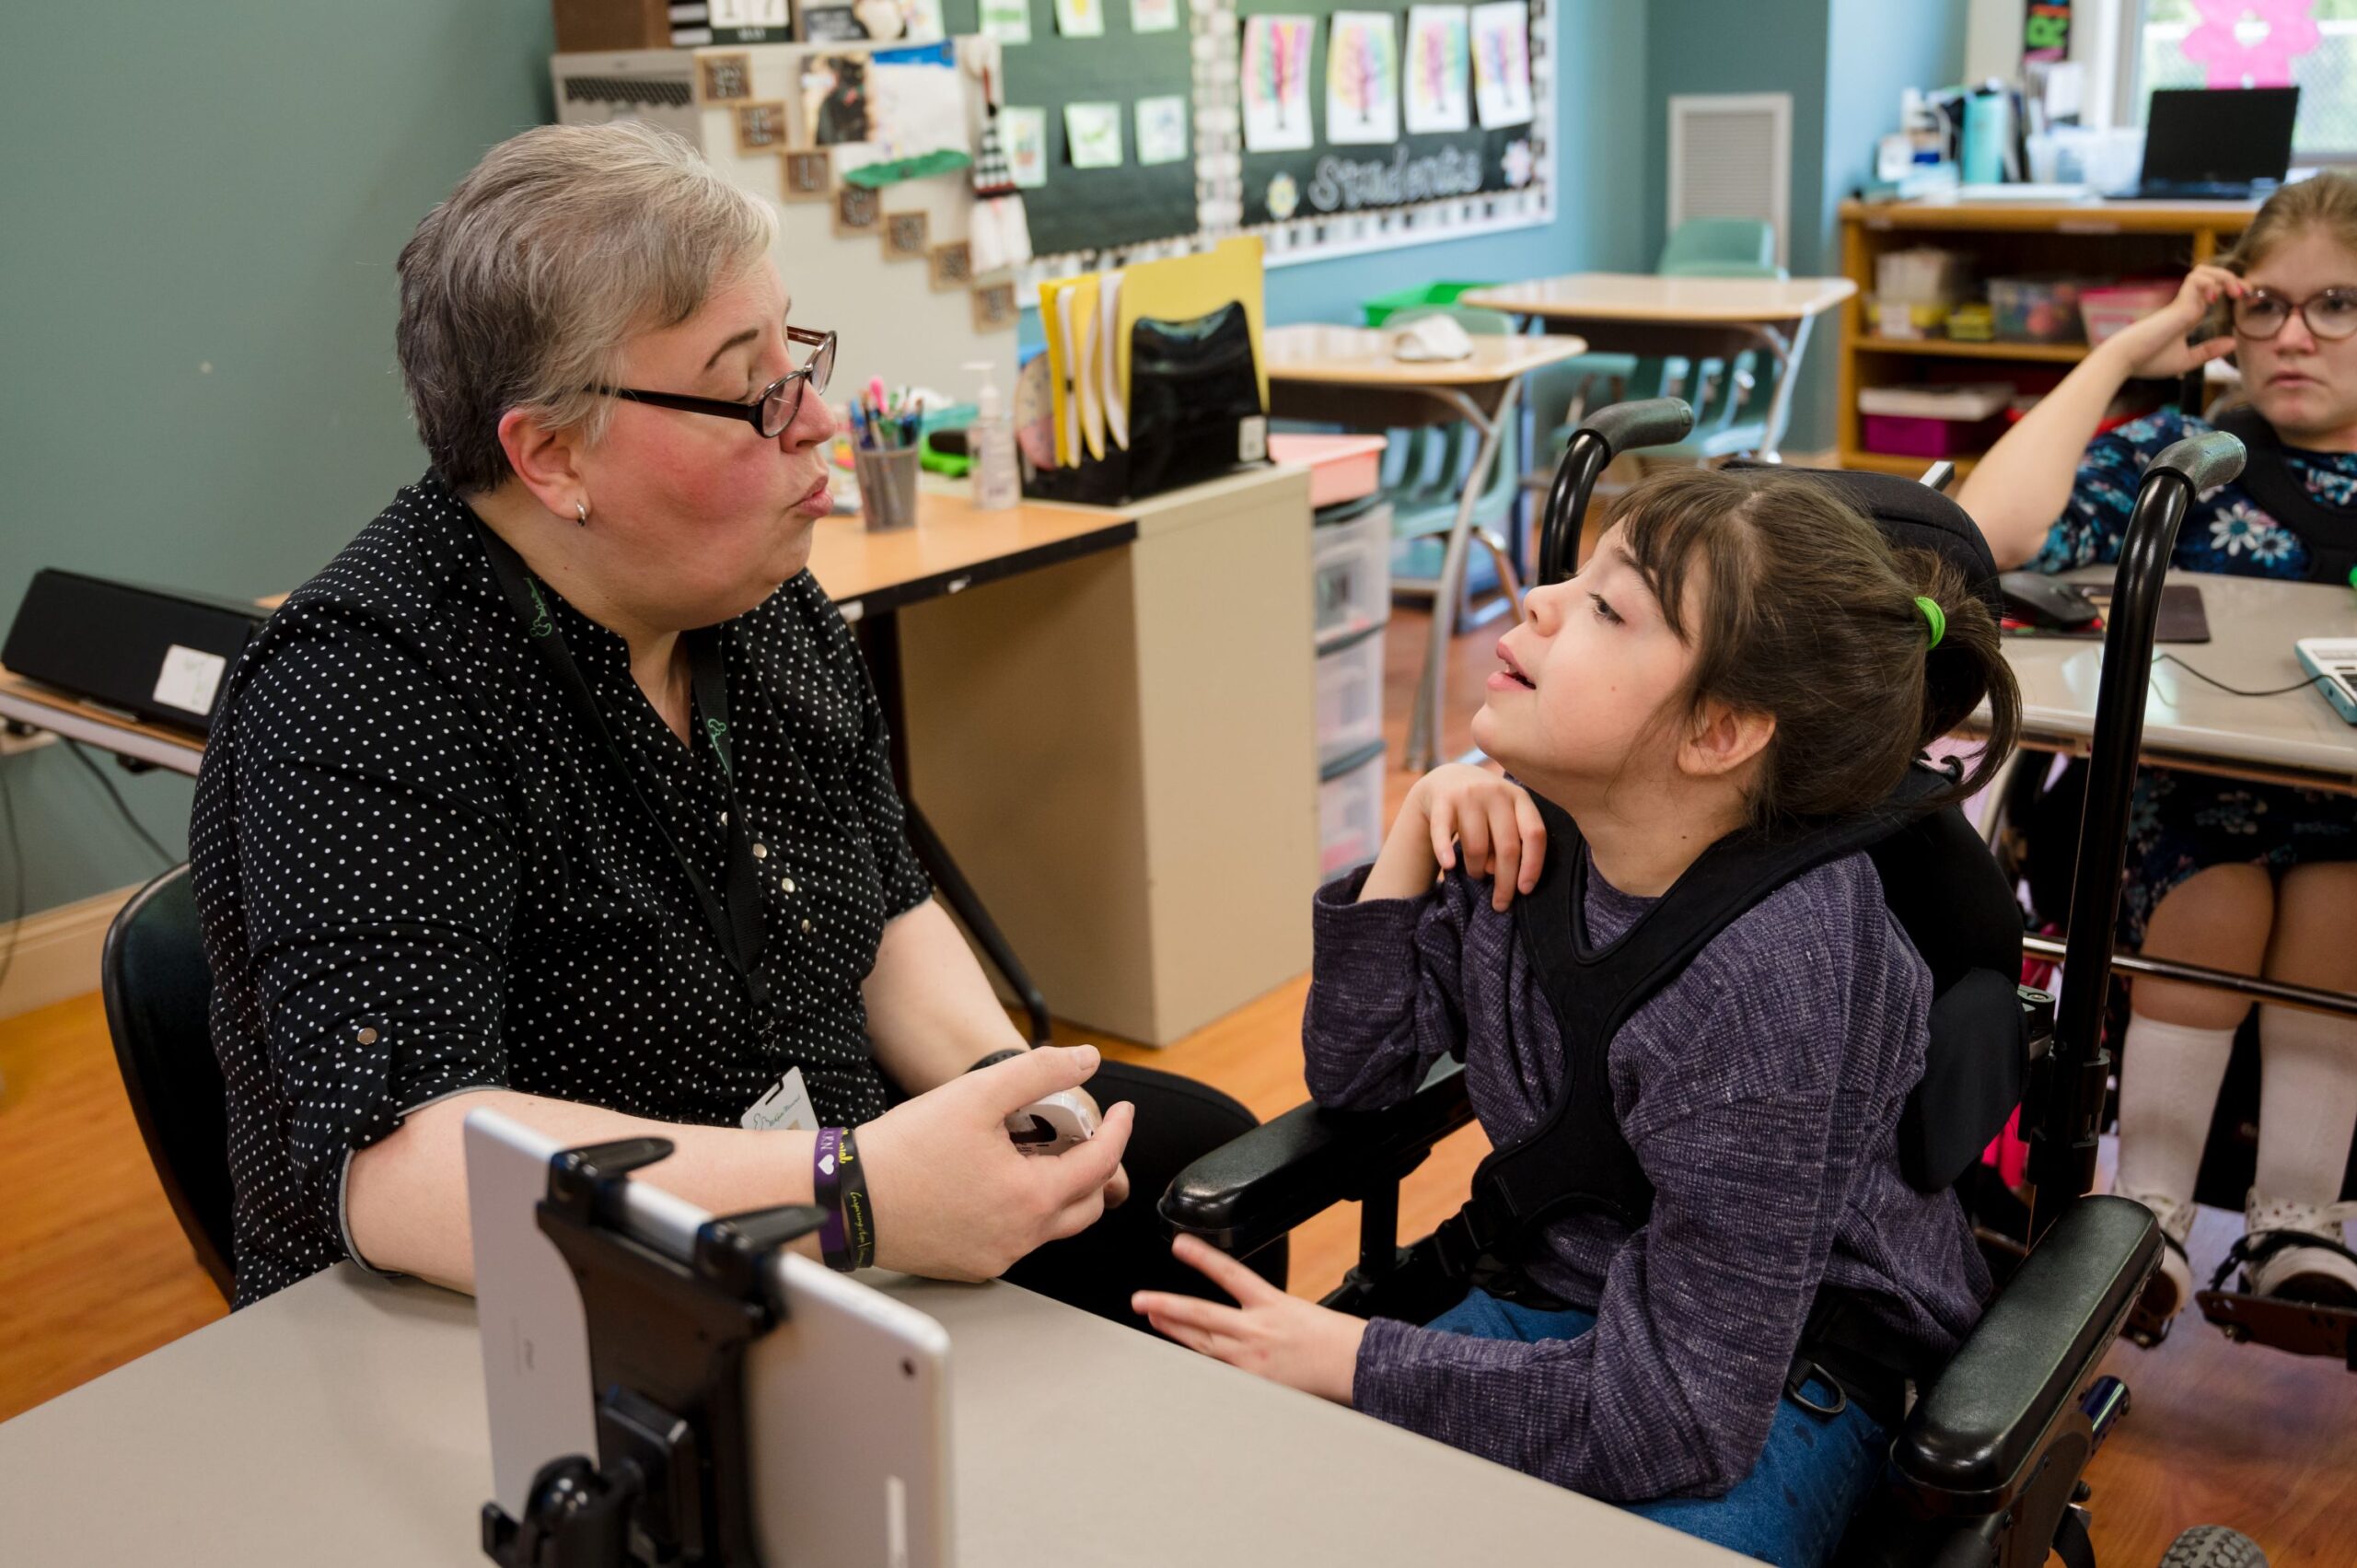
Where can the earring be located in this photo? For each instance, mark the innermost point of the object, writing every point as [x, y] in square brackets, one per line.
[581, 514]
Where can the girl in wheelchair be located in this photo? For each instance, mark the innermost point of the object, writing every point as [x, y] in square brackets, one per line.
[1743, 653]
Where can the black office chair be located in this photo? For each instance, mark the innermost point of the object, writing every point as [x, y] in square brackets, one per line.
[1986, 1468]
[158, 996]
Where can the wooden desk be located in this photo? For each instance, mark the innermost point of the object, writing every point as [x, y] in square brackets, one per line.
[953, 548]
[1350, 376]
[342, 1420]
[2090, 238]
[27, 703]
[2296, 737]
[1702, 317]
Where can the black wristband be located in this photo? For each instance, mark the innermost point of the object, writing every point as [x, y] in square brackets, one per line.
[839, 1185]
[996, 1057]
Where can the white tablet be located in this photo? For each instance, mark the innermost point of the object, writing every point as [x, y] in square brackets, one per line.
[847, 1399]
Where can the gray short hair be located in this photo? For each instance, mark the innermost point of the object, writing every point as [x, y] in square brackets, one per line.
[520, 290]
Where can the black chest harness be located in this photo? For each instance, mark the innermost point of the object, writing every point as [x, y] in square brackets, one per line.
[2268, 478]
[1946, 893]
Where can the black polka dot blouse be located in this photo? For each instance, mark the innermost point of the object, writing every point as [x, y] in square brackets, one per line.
[419, 872]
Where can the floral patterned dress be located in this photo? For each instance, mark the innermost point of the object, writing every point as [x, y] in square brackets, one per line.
[2181, 822]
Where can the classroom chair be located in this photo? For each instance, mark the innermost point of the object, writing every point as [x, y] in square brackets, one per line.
[1425, 470]
[158, 995]
[1986, 1465]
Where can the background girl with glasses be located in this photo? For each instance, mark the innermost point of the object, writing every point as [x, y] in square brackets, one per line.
[2252, 878]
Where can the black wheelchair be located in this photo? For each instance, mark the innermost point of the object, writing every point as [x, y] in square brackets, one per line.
[1986, 1466]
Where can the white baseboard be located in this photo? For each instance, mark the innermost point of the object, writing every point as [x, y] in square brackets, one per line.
[57, 952]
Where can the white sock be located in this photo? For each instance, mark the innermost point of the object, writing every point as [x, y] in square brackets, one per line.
[2308, 1103]
[2168, 1087]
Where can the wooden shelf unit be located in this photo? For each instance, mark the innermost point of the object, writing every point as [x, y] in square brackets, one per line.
[2092, 240]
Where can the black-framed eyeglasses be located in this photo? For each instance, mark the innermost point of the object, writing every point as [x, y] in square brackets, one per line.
[2331, 314]
[779, 402]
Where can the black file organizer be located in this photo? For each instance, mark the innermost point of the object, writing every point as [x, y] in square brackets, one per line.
[1195, 414]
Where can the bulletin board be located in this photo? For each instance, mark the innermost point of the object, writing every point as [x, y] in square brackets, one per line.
[1460, 161]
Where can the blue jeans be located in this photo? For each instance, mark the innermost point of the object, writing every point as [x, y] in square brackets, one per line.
[1791, 1510]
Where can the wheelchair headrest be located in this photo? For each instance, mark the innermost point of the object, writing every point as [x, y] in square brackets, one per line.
[1916, 516]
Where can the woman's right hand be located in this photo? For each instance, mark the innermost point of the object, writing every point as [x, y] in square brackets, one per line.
[2154, 348]
[954, 1198]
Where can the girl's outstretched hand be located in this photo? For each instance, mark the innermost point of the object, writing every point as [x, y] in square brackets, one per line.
[1276, 1336]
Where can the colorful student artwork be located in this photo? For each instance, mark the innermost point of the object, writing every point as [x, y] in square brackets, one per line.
[1162, 129]
[1276, 84]
[1437, 65]
[1154, 16]
[1009, 21]
[1362, 79]
[884, 21]
[2251, 44]
[1026, 134]
[1501, 64]
[1081, 18]
[1093, 134]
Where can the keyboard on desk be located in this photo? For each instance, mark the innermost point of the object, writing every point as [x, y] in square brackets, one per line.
[2194, 190]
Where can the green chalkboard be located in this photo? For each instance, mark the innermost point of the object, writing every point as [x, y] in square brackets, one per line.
[1327, 180]
[1092, 209]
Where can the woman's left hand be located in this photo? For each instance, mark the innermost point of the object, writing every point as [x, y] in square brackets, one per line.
[1279, 1337]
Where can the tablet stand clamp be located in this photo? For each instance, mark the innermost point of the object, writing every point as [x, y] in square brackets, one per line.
[667, 1356]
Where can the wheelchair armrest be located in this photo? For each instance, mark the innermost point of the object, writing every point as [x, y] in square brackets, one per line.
[1247, 1194]
[1971, 1442]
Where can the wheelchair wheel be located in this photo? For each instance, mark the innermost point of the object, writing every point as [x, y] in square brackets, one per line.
[2213, 1546]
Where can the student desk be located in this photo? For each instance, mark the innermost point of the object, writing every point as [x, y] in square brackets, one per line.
[1349, 376]
[1110, 715]
[2296, 737]
[342, 1420]
[1700, 318]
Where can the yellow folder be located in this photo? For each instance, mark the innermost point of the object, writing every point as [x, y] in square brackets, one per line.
[1089, 375]
[1060, 367]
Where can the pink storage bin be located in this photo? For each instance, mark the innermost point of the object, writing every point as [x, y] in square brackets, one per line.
[2105, 311]
[1902, 436]
[1342, 467]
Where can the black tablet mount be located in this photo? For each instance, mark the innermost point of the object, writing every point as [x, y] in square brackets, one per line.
[671, 1484]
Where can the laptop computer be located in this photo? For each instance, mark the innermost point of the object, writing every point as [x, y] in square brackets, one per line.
[2223, 144]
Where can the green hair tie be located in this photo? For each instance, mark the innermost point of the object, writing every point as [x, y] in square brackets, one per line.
[1933, 618]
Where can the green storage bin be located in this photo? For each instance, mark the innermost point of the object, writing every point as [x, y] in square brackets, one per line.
[1382, 306]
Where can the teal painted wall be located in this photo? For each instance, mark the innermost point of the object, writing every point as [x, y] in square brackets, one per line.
[1844, 62]
[196, 309]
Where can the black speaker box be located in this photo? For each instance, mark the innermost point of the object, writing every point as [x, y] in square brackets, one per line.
[160, 655]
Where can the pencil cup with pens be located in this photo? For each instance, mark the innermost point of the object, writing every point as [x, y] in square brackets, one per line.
[884, 456]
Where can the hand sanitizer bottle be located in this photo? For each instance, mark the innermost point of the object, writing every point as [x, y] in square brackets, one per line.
[998, 483]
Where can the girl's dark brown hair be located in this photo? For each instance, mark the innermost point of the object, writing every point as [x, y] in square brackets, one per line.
[1804, 612]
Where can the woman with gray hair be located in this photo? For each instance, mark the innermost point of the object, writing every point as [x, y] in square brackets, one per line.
[562, 790]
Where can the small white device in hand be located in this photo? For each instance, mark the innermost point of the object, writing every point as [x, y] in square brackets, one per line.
[1048, 1126]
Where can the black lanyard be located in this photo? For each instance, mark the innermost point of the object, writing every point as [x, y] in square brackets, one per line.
[738, 922]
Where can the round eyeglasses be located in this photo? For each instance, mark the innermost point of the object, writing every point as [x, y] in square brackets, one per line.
[779, 402]
[2331, 314]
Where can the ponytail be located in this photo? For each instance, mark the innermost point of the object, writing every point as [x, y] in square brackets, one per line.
[1966, 665]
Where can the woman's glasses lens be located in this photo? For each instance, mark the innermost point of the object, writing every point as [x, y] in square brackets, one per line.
[2331, 315]
[779, 408]
[822, 365]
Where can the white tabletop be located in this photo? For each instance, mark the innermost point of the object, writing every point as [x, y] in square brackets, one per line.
[2253, 623]
[1643, 296]
[1364, 357]
[342, 1420]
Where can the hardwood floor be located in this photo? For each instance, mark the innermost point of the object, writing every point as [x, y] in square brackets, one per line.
[94, 1272]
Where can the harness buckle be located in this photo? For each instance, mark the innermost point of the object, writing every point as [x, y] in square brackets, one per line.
[1797, 1383]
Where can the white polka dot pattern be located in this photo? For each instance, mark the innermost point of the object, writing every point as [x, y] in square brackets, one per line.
[419, 872]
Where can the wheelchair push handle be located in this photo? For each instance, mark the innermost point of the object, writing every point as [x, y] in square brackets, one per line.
[1608, 432]
[2204, 461]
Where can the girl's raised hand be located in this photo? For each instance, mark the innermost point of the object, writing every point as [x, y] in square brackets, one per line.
[2156, 343]
[1492, 822]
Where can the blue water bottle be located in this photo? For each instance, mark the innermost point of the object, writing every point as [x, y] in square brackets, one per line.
[1985, 129]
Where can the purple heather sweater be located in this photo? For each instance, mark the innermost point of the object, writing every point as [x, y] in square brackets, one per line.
[1762, 1091]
